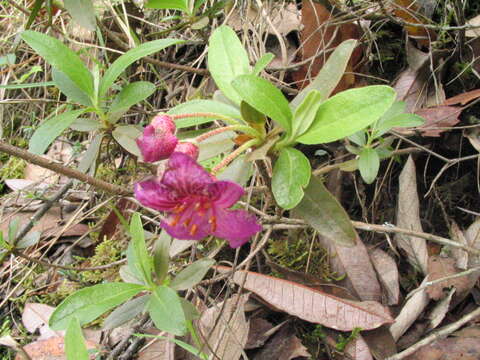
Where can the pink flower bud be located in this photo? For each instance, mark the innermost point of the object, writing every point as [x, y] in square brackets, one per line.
[187, 148]
[158, 140]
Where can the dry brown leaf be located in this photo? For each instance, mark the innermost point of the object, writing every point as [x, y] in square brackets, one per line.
[411, 310]
[471, 331]
[408, 217]
[458, 348]
[51, 349]
[408, 11]
[463, 98]
[317, 36]
[380, 342]
[355, 262]
[475, 21]
[460, 255]
[283, 346]
[358, 350]
[159, 349]
[259, 333]
[473, 238]
[387, 272]
[35, 316]
[229, 337]
[313, 305]
[440, 267]
[437, 118]
[437, 314]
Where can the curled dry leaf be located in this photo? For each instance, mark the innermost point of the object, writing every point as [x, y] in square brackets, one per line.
[440, 267]
[52, 348]
[410, 312]
[35, 316]
[457, 348]
[387, 272]
[260, 331]
[473, 33]
[408, 217]
[463, 98]
[460, 255]
[436, 316]
[313, 305]
[225, 328]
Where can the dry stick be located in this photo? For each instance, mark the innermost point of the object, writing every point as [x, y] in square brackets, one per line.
[436, 335]
[64, 170]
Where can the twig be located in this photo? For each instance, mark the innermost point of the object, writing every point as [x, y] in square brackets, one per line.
[121, 345]
[60, 169]
[21, 8]
[436, 335]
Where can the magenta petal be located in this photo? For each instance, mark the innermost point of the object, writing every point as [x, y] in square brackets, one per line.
[155, 145]
[152, 194]
[188, 148]
[184, 175]
[236, 226]
[225, 193]
[188, 225]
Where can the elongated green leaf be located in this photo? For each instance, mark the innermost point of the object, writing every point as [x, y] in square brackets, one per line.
[69, 88]
[62, 58]
[130, 95]
[181, 5]
[161, 256]
[227, 59]
[86, 124]
[126, 312]
[75, 347]
[348, 112]
[166, 311]
[368, 164]
[359, 138]
[143, 261]
[401, 120]
[193, 274]
[125, 135]
[89, 158]
[252, 116]
[51, 129]
[89, 303]
[291, 174]
[27, 86]
[330, 74]
[82, 12]
[266, 98]
[205, 106]
[262, 63]
[305, 113]
[130, 57]
[323, 212]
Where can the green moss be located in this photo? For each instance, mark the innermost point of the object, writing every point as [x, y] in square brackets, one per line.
[13, 168]
[106, 252]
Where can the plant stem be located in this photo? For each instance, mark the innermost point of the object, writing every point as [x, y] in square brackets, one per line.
[64, 170]
[240, 128]
[227, 119]
[234, 155]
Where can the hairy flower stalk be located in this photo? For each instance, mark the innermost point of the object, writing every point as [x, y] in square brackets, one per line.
[238, 151]
[196, 203]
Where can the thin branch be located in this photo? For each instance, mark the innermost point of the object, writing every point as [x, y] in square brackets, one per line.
[64, 170]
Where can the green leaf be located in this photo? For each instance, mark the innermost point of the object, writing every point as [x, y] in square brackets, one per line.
[401, 120]
[192, 275]
[251, 115]
[304, 114]
[90, 156]
[262, 63]
[215, 145]
[126, 135]
[37, 5]
[266, 98]
[291, 174]
[368, 164]
[82, 12]
[348, 112]
[69, 88]
[166, 311]
[130, 57]
[62, 58]
[51, 129]
[75, 347]
[332, 71]
[358, 138]
[161, 256]
[143, 261]
[13, 227]
[86, 124]
[130, 95]
[126, 312]
[205, 106]
[323, 212]
[30, 239]
[227, 59]
[27, 86]
[189, 310]
[186, 346]
[89, 303]
[181, 5]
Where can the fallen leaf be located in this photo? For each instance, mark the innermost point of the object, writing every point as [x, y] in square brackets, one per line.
[458, 348]
[225, 328]
[440, 267]
[475, 21]
[408, 217]
[437, 314]
[159, 349]
[471, 331]
[357, 349]
[437, 118]
[380, 342]
[112, 221]
[408, 10]
[312, 305]
[283, 346]
[460, 255]
[35, 317]
[411, 310]
[463, 98]
[52, 348]
[259, 333]
[387, 272]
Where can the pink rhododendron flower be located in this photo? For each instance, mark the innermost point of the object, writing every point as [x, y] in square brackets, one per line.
[187, 148]
[158, 140]
[197, 203]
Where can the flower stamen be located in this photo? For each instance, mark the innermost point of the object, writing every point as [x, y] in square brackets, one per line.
[213, 223]
[193, 229]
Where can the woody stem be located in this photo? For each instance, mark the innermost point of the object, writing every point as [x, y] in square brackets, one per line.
[234, 155]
